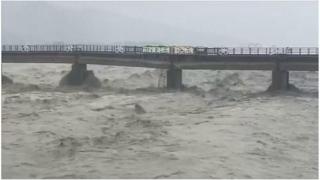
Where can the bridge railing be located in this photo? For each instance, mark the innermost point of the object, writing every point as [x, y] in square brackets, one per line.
[272, 51]
[60, 48]
[121, 49]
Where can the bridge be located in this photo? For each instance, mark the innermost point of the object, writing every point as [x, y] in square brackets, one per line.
[280, 61]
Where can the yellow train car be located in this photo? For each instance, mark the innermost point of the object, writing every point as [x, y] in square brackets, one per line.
[181, 50]
[156, 49]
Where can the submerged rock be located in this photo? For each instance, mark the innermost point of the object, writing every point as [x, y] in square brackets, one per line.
[139, 109]
[6, 80]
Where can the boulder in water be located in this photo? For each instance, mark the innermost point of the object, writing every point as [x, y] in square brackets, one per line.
[139, 109]
[6, 80]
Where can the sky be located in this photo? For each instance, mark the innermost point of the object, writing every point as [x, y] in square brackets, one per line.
[205, 23]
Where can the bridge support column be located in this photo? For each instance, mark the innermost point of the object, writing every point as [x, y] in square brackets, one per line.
[280, 80]
[174, 78]
[77, 74]
[80, 76]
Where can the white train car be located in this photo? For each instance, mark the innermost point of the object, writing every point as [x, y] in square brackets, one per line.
[156, 49]
[21, 48]
[108, 48]
[217, 51]
[13, 48]
[118, 49]
[25, 48]
[181, 50]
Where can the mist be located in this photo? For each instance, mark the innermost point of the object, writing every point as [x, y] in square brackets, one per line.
[169, 23]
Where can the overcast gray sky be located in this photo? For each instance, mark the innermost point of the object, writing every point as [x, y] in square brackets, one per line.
[227, 23]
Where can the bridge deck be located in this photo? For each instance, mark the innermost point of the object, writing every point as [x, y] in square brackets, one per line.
[225, 62]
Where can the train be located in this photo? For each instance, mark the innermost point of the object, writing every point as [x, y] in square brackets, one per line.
[158, 49]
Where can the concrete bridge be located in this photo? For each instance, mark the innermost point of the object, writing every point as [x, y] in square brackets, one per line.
[279, 64]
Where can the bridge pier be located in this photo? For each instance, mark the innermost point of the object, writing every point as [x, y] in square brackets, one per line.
[174, 78]
[80, 76]
[280, 80]
[77, 75]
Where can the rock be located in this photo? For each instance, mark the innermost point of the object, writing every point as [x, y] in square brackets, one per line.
[6, 80]
[139, 109]
[31, 87]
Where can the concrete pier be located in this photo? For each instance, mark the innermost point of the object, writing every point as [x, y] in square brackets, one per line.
[80, 76]
[174, 78]
[280, 80]
[76, 76]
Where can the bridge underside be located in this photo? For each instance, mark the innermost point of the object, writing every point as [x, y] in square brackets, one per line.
[279, 65]
[78, 73]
